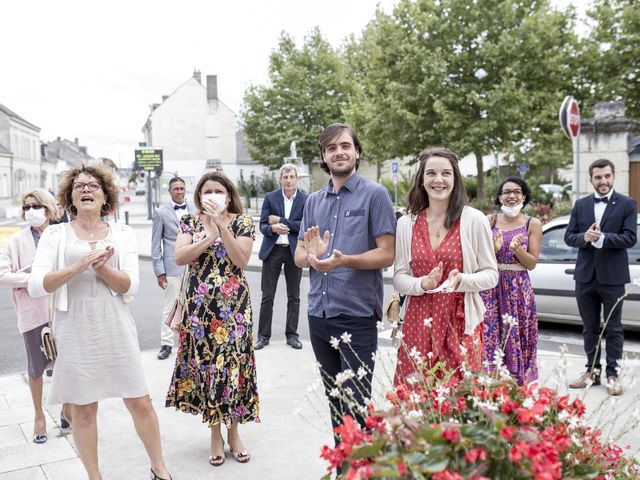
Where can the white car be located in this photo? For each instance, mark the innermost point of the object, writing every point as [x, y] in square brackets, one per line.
[552, 188]
[553, 283]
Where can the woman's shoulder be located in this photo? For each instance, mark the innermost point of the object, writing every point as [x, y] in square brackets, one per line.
[243, 219]
[473, 214]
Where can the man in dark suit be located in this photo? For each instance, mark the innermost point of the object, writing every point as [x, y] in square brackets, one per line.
[279, 223]
[164, 231]
[603, 227]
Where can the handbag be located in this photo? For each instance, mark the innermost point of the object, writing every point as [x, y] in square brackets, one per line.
[392, 312]
[176, 314]
[48, 342]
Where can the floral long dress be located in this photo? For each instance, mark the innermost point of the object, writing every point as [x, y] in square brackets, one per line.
[433, 328]
[512, 296]
[215, 370]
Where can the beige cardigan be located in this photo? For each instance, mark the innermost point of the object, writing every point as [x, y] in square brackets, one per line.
[479, 267]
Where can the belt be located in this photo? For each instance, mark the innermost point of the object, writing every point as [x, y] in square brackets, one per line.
[513, 267]
[282, 245]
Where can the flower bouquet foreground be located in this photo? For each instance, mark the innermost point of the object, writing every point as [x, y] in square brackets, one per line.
[480, 427]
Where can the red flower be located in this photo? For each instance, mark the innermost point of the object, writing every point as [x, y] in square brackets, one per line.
[509, 406]
[475, 454]
[447, 475]
[507, 433]
[451, 434]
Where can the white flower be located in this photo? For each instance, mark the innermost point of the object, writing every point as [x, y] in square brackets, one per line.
[345, 337]
[430, 355]
[415, 414]
[415, 354]
[343, 376]
[427, 322]
[335, 393]
[379, 325]
[509, 320]
[463, 349]
[528, 402]
[335, 343]
[362, 372]
[636, 282]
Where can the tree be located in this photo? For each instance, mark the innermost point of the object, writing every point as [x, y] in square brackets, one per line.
[308, 90]
[475, 77]
[613, 56]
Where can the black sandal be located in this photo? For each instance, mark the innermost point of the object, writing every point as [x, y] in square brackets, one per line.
[156, 477]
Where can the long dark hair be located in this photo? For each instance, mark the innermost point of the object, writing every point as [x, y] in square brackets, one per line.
[235, 204]
[418, 198]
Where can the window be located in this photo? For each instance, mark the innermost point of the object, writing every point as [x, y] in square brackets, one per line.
[553, 248]
[634, 252]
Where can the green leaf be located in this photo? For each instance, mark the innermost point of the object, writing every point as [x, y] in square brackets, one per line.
[366, 451]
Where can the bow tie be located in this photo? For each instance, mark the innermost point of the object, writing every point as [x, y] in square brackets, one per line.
[180, 207]
[603, 200]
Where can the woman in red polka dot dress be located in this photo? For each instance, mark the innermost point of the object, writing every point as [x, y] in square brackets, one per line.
[442, 242]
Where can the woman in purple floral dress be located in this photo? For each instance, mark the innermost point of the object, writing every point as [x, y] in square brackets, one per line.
[215, 370]
[511, 321]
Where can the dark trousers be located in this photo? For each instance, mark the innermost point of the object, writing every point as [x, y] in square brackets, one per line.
[592, 297]
[359, 352]
[271, 268]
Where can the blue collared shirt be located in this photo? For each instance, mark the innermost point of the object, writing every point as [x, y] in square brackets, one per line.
[355, 216]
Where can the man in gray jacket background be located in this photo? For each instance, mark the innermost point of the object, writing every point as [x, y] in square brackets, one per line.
[166, 221]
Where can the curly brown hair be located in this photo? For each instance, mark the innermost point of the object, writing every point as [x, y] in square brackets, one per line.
[104, 178]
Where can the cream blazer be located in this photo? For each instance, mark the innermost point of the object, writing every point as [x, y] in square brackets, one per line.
[479, 267]
[50, 257]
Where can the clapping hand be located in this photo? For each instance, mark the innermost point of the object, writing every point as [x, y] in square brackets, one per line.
[273, 219]
[211, 220]
[593, 234]
[89, 259]
[316, 245]
[432, 279]
[107, 253]
[455, 277]
[280, 229]
[516, 243]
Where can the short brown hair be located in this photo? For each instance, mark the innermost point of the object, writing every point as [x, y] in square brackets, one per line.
[332, 132]
[235, 205]
[601, 163]
[46, 199]
[418, 198]
[104, 178]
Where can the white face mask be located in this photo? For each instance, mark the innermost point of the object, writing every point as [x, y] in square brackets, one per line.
[511, 211]
[218, 199]
[36, 218]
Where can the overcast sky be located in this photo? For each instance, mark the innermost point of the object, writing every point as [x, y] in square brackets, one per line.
[91, 69]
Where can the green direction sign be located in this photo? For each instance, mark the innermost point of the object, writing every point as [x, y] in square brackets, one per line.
[149, 159]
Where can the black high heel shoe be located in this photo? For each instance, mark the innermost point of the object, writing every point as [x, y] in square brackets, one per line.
[156, 477]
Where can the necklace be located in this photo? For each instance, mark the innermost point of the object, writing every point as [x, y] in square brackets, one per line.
[437, 231]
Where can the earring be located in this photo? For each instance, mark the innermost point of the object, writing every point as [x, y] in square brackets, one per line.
[106, 208]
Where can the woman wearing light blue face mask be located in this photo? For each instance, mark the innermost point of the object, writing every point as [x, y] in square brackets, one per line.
[38, 209]
[511, 321]
[215, 370]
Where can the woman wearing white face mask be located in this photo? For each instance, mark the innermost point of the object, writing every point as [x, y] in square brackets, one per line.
[38, 209]
[215, 370]
[516, 240]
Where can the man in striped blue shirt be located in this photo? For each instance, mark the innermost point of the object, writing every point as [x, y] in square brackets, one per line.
[346, 237]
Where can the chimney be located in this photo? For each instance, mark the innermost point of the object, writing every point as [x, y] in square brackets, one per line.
[197, 75]
[75, 140]
[212, 87]
[604, 110]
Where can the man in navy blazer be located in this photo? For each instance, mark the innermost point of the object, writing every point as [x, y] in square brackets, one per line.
[602, 226]
[164, 231]
[279, 223]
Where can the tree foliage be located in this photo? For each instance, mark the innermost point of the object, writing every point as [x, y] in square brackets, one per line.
[308, 90]
[473, 76]
[613, 53]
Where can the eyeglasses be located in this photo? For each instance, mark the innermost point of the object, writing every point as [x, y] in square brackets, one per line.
[507, 193]
[79, 186]
[26, 208]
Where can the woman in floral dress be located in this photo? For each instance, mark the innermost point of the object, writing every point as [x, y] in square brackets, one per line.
[511, 320]
[440, 241]
[215, 371]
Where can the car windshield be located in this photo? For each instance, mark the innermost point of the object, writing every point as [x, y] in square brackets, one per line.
[553, 248]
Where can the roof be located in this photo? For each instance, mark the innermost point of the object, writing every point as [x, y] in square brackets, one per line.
[13, 114]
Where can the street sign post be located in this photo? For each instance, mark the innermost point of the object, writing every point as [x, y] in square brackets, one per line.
[394, 170]
[569, 116]
[522, 168]
[148, 160]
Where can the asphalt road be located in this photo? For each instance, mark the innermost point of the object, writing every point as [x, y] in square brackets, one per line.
[146, 308]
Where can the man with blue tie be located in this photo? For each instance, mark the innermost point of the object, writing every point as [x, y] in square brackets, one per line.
[602, 227]
[279, 223]
[166, 221]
